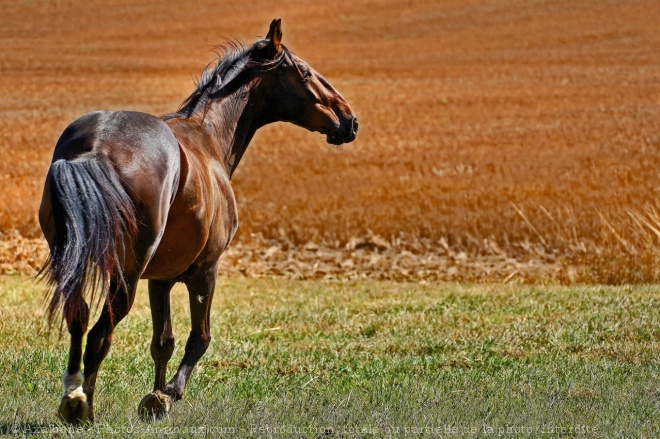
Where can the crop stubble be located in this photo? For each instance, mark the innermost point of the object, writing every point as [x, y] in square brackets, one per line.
[506, 140]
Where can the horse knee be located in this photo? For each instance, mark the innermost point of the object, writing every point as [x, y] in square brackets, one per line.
[162, 347]
[198, 342]
[205, 339]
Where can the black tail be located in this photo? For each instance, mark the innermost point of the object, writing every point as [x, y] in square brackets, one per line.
[92, 214]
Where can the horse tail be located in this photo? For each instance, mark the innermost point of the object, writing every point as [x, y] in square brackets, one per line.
[92, 216]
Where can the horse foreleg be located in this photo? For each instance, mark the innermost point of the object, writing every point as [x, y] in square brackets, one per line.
[73, 406]
[99, 338]
[157, 403]
[200, 292]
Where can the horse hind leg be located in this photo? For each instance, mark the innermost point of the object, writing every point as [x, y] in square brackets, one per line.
[117, 305]
[157, 403]
[74, 408]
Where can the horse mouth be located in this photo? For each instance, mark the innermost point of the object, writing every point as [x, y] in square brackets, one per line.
[339, 138]
[334, 139]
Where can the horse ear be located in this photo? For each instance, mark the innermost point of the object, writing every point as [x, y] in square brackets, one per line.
[275, 35]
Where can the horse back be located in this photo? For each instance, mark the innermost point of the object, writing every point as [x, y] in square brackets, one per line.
[125, 138]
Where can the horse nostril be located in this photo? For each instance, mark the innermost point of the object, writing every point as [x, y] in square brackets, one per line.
[348, 131]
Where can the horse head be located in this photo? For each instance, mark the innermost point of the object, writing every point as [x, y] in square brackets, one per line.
[292, 90]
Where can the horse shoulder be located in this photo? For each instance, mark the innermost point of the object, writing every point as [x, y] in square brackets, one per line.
[202, 218]
[227, 210]
[217, 211]
[209, 180]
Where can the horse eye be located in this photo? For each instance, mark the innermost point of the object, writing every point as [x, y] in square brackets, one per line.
[306, 74]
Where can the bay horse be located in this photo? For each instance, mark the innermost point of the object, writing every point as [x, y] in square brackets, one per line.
[132, 196]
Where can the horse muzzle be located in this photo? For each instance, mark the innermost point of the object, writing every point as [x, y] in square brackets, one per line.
[346, 133]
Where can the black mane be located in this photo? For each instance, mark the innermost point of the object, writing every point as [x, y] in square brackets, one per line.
[236, 56]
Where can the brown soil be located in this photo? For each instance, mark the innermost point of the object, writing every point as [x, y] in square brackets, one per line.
[498, 140]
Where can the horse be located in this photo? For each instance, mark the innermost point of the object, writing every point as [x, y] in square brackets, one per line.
[131, 196]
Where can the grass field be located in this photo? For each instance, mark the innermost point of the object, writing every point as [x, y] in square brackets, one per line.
[367, 359]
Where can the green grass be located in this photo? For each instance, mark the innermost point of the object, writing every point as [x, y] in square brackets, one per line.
[363, 359]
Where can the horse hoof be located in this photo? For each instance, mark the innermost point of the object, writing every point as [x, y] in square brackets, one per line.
[74, 408]
[155, 405]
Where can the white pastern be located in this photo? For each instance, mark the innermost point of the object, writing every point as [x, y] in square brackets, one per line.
[73, 385]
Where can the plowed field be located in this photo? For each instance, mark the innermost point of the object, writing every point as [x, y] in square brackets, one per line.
[499, 140]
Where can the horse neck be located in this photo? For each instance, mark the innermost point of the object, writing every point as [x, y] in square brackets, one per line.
[232, 122]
